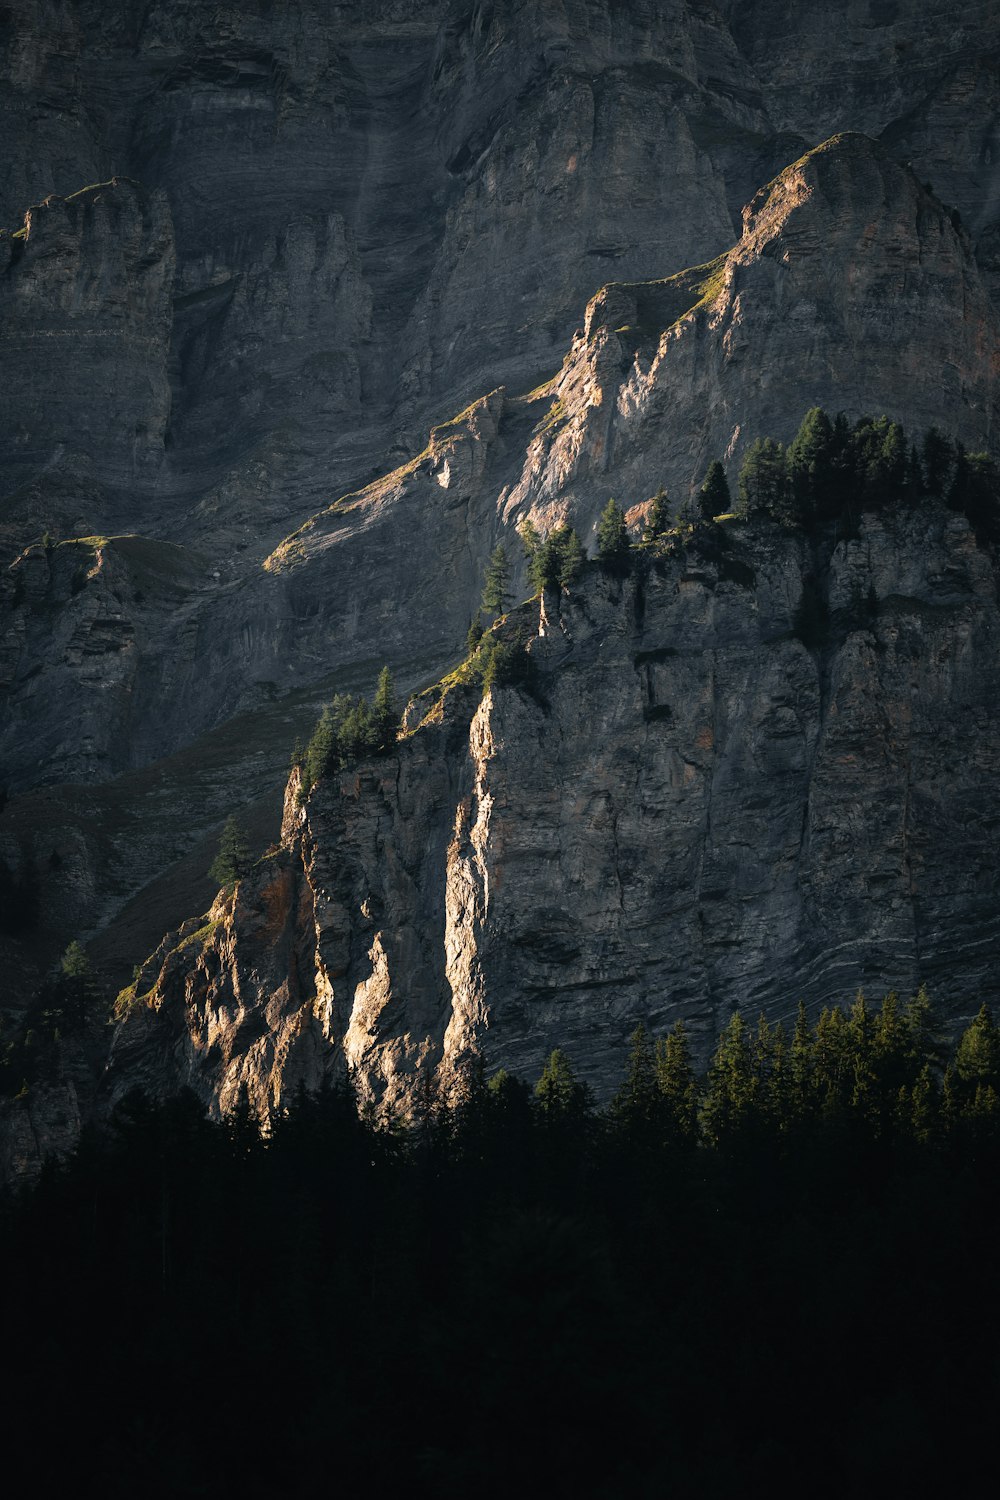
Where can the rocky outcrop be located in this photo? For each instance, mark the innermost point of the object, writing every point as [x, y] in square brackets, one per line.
[352, 223]
[684, 811]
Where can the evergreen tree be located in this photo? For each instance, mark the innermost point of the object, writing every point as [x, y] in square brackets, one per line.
[977, 1061]
[558, 1092]
[809, 464]
[800, 1068]
[323, 752]
[558, 560]
[233, 859]
[923, 1039]
[74, 964]
[612, 538]
[731, 1094]
[385, 716]
[923, 1108]
[572, 558]
[658, 519]
[532, 544]
[763, 482]
[833, 1075]
[357, 737]
[635, 1103]
[678, 1084]
[714, 498]
[495, 590]
[474, 636]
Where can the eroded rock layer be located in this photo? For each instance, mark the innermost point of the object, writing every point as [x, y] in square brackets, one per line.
[685, 811]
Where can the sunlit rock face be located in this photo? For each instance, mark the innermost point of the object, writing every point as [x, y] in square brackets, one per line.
[687, 812]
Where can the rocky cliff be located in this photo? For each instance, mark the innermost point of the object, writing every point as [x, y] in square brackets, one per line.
[685, 811]
[312, 235]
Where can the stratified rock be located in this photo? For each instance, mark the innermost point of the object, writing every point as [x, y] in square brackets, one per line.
[684, 811]
[85, 308]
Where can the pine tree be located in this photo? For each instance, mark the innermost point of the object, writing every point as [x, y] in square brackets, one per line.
[532, 544]
[323, 752]
[74, 964]
[833, 1075]
[678, 1084]
[233, 859]
[385, 716]
[495, 591]
[474, 636]
[763, 482]
[572, 558]
[731, 1095]
[658, 518]
[635, 1103]
[800, 1068]
[612, 538]
[357, 735]
[923, 1121]
[977, 1061]
[809, 463]
[714, 498]
[558, 1092]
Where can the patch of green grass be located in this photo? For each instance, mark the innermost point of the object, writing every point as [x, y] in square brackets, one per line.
[201, 936]
[555, 415]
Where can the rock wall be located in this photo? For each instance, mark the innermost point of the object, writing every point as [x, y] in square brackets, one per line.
[686, 811]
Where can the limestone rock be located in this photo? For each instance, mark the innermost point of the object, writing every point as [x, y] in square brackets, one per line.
[685, 812]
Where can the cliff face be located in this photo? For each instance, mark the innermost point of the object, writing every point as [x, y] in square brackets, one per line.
[317, 232]
[355, 221]
[688, 811]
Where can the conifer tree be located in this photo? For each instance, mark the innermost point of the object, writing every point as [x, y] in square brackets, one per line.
[233, 859]
[558, 1091]
[800, 1068]
[612, 538]
[532, 544]
[763, 482]
[731, 1086]
[677, 1083]
[714, 498]
[571, 559]
[832, 1072]
[385, 716]
[809, 463]
[635, 1103]
[495, 590]
[977, 1061]
[74, 964]
[658, 518]
[474, 636]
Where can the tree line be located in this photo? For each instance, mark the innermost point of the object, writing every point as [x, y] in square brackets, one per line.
[775, 1266]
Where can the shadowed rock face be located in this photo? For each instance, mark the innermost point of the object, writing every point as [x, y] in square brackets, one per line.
[85, 307]
[351, 222]
[689, 812]
[846, 273]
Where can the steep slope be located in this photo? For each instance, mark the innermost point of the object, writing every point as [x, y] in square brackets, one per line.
[848, 271]
[684, 812]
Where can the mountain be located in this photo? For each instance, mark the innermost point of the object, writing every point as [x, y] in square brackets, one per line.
[620, 243]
